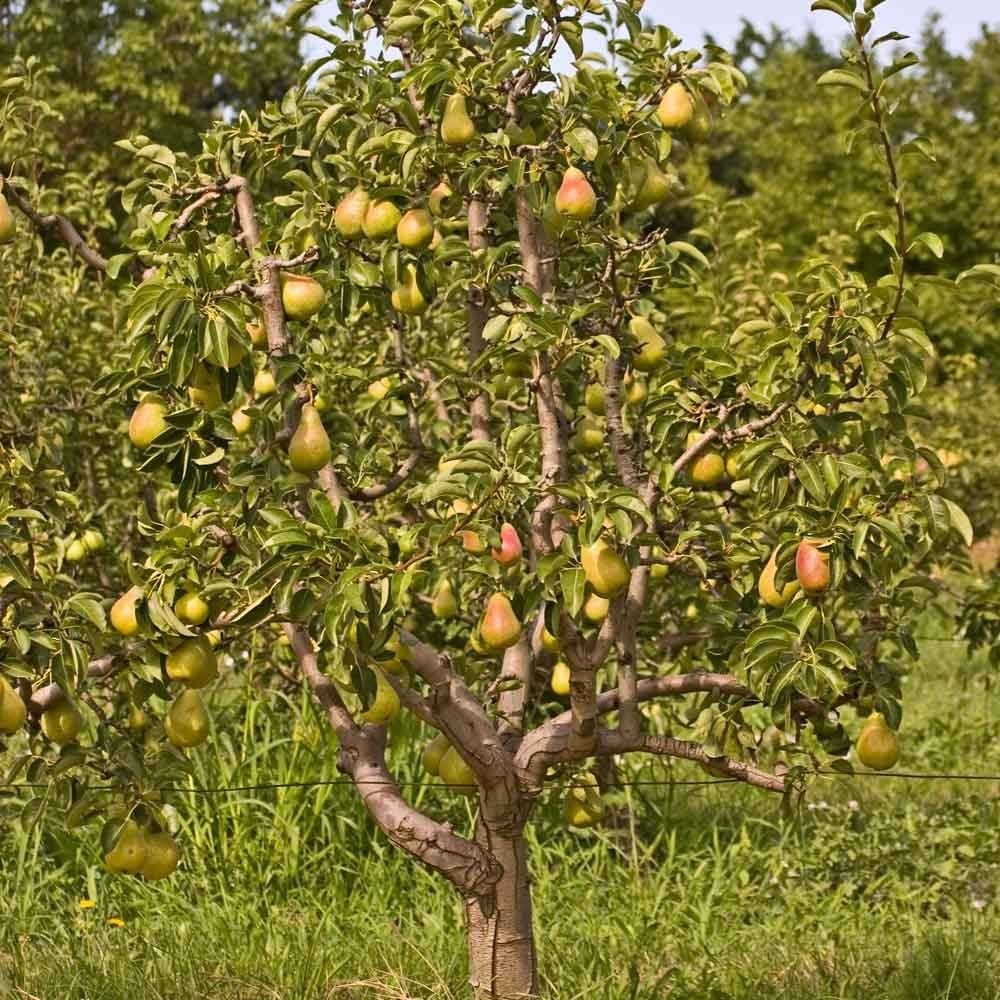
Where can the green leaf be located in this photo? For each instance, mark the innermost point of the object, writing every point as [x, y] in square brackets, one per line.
[842, 78]
[573, 583]
[583, 142]
[834, 7]
[960, 521]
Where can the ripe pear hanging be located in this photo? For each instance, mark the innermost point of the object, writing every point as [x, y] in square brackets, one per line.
[676, 107]
[161, 857]
[878, 745]
[433, 752]
[457, 128]
[385, 707]
[12, 709]
[301, 296]
[455, 772]
[309, 450]
[193, 662]
[499, 628]
[560, 682]
[652, 347]
[444, 603]
[510, 550]
[605, 570]
[575, 197]
[349, 216]
[8, 226]
[655, 186]
[62, 723]
[407, 297]
[123, 615]
[147, 422]
[186, 722]
[128, 851]
[766, 586]
[812, 567]
[415, 229]
[381, 220]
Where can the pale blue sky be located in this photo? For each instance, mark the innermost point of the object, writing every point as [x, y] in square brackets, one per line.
[962, 18]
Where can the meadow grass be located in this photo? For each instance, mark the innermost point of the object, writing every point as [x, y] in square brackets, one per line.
[874, 888]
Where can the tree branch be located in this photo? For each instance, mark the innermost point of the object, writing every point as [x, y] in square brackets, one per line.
[60, 226]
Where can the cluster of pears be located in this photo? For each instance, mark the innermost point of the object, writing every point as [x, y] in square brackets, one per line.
[61, 723]
[812, 574]
[878, 744]
[88, 543]
[192, 662]
[443, 761]
[583, 806]
[648, 352]
[143, 849]
[8, 227]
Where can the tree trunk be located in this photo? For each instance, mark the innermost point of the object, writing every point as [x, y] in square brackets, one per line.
[502, 960]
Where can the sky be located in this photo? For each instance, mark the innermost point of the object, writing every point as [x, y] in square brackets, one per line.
[721, 18]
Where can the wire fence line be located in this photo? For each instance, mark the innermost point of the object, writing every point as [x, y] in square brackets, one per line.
[623, 782]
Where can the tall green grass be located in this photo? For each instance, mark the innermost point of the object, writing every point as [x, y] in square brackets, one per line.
[876, 888]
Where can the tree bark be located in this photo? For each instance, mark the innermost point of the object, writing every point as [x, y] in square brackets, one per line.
[503, 964]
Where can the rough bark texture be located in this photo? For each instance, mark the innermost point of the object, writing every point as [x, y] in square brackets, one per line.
[503, 964]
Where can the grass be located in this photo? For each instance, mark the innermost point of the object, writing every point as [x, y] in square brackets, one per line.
[877, 888]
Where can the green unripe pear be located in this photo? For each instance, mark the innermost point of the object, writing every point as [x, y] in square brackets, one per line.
[309, 450]
[257, 335]
[583, 806]
[589, 436]
[93, 540]
[191, 608]
[301, 296]
[203, 389]
[456, 773]
[433, 752]
[242, 421]
[499, 628]
[767, 585]
[457, 128]
[8, 227]
[407, 297]
[147, 422]
[652, 347]
[264, 384]
[193, 662]
[349, 216]
[441, 201]
[161, 857]
[385, 707]
[76, 551]
[676, 108]
[594, 400]
[128, 851]
[62, 723]
[12, 709]
[186, 722]
[698, 129]
[381, 220]
[708, 470]
[654, 188]
[124, 616]
[444, 604]
[575, 197]
[415, 229]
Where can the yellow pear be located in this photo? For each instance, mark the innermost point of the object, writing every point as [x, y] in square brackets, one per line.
[381, 220]
[186, 722]
[575, 197]
[433, 752]
[499, 627]
[309, 449]
[124, 614]
[242, 421]
[407, 297]
[652, 347]
[444, 604]
[878, 745]
[8, 226]
[203, 390]
[596, 608]
[76, 551]
[415, 229]
[62, 723]
[301, 296]
[455, 772]
[93, 540]
[148, 421]
[676, 108]
[349, 216]
[457, 128]
[137, 718]
[583, 806]
[191, 608]
[161, 857]
[12, 709]
[380, 388]
[767, 589]
[257, 335]
[635, 391]
[606, 571]
[708, 469]
[441, 199]
[193, 662]
[128, 851]
[386, 704]
[560, 679]
[263, 383]
[550, 643]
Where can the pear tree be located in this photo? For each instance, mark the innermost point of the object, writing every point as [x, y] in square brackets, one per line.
[426, 376]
